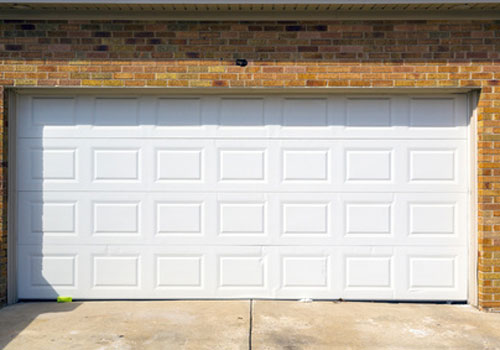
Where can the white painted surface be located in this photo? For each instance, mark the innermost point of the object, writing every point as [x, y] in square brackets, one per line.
[214, 197]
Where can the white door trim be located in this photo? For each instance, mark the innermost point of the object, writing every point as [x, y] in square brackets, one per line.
[473, 98]
[12, 201]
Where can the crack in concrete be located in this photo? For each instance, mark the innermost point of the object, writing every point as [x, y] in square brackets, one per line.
[250, 325]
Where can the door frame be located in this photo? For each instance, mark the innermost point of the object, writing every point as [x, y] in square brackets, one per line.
[11, 133]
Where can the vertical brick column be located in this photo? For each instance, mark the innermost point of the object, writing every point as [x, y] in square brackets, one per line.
[489, 194]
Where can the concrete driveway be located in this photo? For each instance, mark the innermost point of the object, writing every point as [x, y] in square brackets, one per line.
[255, 325]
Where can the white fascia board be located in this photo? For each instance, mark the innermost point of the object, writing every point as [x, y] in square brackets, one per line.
[243, 2]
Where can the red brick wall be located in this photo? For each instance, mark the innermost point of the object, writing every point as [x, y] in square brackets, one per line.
[388, 54]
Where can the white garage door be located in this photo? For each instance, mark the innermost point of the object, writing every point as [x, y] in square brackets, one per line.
[349, 197]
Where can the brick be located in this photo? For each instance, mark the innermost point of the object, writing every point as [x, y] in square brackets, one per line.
[112, 83]
[25, 82]
[294, 28]
[316, 83]
[123, 75]
[88, 82]
[10, 47]
[135, 83]
[220, 83]
[156, 83]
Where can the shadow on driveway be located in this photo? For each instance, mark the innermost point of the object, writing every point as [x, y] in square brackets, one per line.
[125, 325]
[17, 318]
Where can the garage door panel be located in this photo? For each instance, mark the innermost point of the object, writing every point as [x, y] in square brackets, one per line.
[405, 273]
[402, 117]
[48, 271]
[115, 111]
[122, 272]
[434, 273]
[241, 112]
[368, 219]
[305, 163]
[245, 221]
[438, 219]
[406, 219]
[243, 218]
[403, 166]
[305, 219]
[256, 165]
[56, 163]
[436, 111]
[355, 197]
[246, 164]
[303, 117]
[39, 114]
[45, 218]
[362, 272]
[370, 164]
[369, 272]
[304, 271]
[437, 163]
[116, 165]
[178, 112]
[80, 218]
[357, 117]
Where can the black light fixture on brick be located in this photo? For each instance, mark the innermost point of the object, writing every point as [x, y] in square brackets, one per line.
[241, 62]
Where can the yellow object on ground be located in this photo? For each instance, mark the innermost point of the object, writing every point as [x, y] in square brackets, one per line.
[64, 299]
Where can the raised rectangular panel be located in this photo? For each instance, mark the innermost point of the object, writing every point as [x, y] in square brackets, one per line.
[242, 165]
[305, 271]
[116, 112]
[53, 217]
[241, 112]
[368, 112]
[116, 271]
[305, 218]
[432, 165]
[242, 218]
[179, 271]
[368, 272]
[368, 218]
[53, 164]
[179, 165]
[241, 271]
[116, 164]
[53, 111]
[305, 165]
[179, 112]
[305, 112]
[432, 218]
[179, 218]
[368, 165]
[432, 112]
[116, 218]
[432, 272]
[53, 271]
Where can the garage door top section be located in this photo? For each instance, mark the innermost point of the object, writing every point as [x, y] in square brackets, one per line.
[353, 117]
